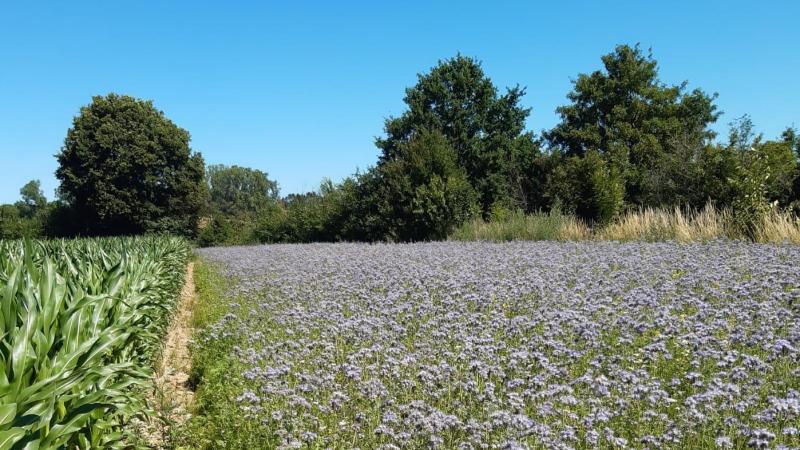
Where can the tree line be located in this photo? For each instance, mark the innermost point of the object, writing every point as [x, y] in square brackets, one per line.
[625, 140]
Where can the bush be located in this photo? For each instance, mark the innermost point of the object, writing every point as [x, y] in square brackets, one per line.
[519, 226]
[424, 193]
[271, 226]
[750, 205]
[14, 225]
[217, 231]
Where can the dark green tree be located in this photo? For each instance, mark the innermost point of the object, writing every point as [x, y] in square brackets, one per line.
[460, 101]
[11, 224]
[328, 214]
[678, 177]
[368, 214]
[626, 115]
[28, 216]
[239, 190]
[216, 231]
[424, 189]
[587, 186]
[125, 169]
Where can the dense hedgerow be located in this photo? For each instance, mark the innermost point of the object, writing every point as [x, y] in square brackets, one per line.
[512, 346]
[81, 323]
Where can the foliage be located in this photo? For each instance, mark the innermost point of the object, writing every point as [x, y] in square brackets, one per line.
[783, 168]
[271, 226]
[791, 138]
[425, 190]
[750, 205]
[33, 199]
[239, 190]
[626, 142]
[217, 231]
[27, 217]
[306, 218]
[81, 323]
[61, 220]
[607, 188]
[483, 128]
[588, 186]
[629, 118]
[11, 224]
[324, 215]
[127, 169]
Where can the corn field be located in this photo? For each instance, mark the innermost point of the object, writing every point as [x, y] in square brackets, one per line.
[81, 323]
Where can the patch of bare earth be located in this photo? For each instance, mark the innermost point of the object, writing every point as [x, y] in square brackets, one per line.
[172, 395]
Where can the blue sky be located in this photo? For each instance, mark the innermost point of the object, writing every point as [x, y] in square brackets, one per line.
[301, 90]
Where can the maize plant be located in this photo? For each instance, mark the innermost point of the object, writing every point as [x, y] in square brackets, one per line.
[80, 324]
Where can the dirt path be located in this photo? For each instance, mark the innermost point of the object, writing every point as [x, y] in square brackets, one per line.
[172, 395]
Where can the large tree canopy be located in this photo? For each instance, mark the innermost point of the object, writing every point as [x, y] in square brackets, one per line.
[239, 190]
[458, 100]
[627, 108]
[633, 121]
[125, 168]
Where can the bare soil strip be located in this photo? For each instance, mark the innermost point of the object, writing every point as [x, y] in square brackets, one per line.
[172, 395]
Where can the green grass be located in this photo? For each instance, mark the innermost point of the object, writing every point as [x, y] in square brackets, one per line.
[217, 420]
[526, 227]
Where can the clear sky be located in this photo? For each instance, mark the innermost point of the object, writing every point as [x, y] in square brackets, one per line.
[300, 89]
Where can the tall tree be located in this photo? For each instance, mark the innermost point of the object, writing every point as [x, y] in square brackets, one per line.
[125, 169]
[33, 199]
[460, 101]
[632, 119]
[239, 190]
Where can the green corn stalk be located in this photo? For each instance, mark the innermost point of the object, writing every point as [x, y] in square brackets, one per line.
[80, 324]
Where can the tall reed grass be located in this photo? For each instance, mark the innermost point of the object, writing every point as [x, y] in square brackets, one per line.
[648, 224]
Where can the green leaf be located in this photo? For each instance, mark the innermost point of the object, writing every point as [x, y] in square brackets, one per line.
[7, 413]
[10, 437]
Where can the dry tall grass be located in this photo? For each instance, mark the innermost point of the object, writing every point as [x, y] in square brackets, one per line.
[670, 225]
[647, 224]
[779, 227]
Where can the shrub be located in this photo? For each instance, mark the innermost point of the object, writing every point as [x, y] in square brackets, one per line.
[519, 226]
[217, 231]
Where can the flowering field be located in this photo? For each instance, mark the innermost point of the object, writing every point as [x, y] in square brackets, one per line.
[518, 345]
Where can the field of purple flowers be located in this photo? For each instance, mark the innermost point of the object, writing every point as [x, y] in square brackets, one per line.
[517, 345]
